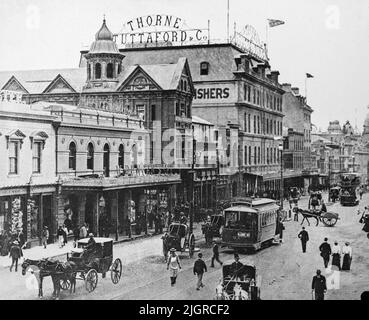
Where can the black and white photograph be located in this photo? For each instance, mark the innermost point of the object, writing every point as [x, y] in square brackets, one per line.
[190, 150]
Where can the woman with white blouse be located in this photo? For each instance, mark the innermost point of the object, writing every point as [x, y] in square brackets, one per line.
[347, 256]
[336, 255]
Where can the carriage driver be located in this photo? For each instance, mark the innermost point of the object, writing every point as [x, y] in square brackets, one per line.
[91, 242]
[236, 266]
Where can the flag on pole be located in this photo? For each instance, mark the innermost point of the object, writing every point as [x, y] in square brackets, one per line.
[274, 23]
[308, 75]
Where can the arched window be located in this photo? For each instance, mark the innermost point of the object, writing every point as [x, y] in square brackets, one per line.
[90, 156]
[88, 72]
[121, 156]
[204, 68]
[110, 71]
[98, 71]
[72, 156]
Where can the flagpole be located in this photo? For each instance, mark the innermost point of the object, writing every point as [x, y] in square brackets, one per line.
[266, 37]
[306, 97]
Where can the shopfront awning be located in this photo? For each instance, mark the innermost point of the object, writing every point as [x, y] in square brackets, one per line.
[123, 182]
[269, 176]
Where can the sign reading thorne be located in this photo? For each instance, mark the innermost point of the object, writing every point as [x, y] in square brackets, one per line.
[159, 29]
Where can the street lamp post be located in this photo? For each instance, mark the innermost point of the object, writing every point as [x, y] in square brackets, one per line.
[192, 176]
[280, 148]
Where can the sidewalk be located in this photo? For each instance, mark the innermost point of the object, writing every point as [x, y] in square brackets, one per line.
[53, 250]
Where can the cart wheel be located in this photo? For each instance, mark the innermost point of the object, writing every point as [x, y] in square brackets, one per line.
[329, 222]
[91, 280]
[64, 284]
[191, 245]
[116, 271]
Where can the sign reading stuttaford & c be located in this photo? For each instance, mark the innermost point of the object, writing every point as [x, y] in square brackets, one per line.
[159, 29]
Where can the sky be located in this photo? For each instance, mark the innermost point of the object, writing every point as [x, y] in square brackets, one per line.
[326, 38]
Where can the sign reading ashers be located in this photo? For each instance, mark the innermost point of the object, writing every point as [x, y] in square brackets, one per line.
[159, 29]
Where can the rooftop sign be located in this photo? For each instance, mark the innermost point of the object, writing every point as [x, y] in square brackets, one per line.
[159, 29]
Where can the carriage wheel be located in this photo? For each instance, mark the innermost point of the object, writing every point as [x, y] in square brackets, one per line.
[91, 280]
[116, 271]
[191, 245]
[64, 284]
[329, 222]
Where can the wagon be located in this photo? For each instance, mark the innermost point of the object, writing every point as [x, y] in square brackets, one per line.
[179, 238]
[329, 219]
[241, 284]
[89, 262]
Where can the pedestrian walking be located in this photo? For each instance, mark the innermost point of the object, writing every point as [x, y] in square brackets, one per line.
[215, 254]
[336, 255]
[319, 286]
[347, 256]
[75, 235]
[165, 246]
[323, 207]
[15, 253]
[65, 235]
[304, 237]
[325, 252]
[173, 265]
[45, 236]
[60, 235]
[281, 228]
[199, 268]
[83, 231]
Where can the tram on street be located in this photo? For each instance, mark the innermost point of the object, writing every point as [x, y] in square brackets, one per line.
[251, 223]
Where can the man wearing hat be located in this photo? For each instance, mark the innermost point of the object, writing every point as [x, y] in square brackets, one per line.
[236, 266]
[325, 251]
[199, 268]
[215, 254]
[15, 253]
[304, 237]
[45, 236]
[319, 286]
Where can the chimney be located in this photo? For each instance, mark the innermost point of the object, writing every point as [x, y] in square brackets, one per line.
[274, 76]
[296, 91]
[287, 87]
[261, 70]
[243, 63]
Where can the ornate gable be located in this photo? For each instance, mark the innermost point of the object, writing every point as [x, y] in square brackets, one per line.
[139, 80]
[14, 85]
[59, 85]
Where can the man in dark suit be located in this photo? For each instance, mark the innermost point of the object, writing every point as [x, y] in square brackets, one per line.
[198, 269]
[304, 237]
[319, 286]
[325, 251]
[236, 266]
[15, 253]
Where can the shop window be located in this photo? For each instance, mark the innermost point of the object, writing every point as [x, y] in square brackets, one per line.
[90, 156]
[72, 156]
[13, 157]
[110, 71]
[36, 157]
[97, 71]
[204, 68]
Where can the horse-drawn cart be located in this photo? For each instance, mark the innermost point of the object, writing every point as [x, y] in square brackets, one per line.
[91, 261]
[329, 219]
[241, 284]
[179, 238]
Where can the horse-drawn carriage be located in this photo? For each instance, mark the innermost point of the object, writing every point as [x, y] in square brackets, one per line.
[91, 261]
[84, 263]
[329, 219]
[334, 194]
[241, 284]
[179, 238]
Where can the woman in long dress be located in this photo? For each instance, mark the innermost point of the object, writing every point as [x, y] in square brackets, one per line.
[173, 265]
[347, 256]
[336, 255]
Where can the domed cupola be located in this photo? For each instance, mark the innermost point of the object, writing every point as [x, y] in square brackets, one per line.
[104, 61]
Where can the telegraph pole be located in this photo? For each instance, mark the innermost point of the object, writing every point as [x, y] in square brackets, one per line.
[192, 177]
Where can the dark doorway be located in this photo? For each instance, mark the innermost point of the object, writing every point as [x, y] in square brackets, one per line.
[90, 210]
